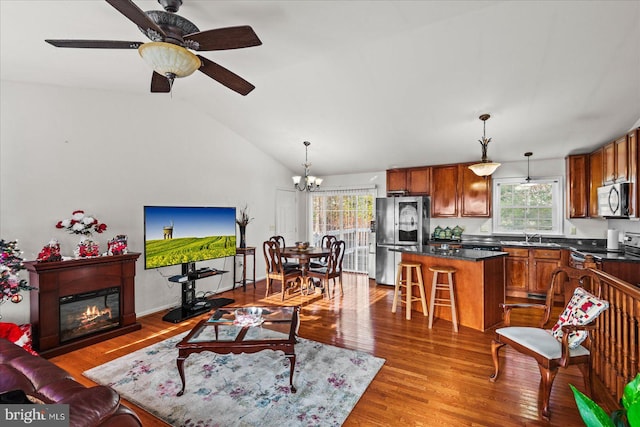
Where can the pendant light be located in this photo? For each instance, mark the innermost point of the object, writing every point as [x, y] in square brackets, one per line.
[486, 167]
[528, 155]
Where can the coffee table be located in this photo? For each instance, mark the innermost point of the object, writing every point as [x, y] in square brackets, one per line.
[224, 335]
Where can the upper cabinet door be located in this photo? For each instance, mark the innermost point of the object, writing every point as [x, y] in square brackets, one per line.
[577, 186]
[609, 163]
[595, 181]
[475, 193]
[419, 181]
[622, 159]
[444, 191]
[396, 180]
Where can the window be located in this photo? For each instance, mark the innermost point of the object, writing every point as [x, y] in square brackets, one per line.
[346, 214]
[534, 207]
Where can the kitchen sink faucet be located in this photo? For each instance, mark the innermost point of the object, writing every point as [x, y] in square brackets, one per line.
[528, 237]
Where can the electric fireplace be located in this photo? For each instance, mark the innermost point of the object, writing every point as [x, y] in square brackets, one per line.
[89, 312]
[81, 302]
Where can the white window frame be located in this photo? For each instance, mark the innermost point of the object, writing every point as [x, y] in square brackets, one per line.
[557, 206]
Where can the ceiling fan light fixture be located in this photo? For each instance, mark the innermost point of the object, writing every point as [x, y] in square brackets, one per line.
[486, 167]
[169, 59]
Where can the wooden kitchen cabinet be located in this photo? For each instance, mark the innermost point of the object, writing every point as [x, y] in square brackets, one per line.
[454, 189]
[616, 161]
[517, 272]
[419, 181]
[528, 270]
[475, 193]
[634, 164]
[396, 180]
[595, 181]
[444, 191]
[577, 186]
[544, 261]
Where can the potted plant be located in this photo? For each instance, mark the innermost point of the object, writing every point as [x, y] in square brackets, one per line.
[594, 416]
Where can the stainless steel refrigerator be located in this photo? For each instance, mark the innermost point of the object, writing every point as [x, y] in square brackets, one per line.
[400, 221]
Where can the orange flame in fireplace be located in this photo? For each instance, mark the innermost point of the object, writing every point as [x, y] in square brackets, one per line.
[93, 312]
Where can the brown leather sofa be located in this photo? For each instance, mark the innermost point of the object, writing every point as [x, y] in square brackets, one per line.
[44, 381]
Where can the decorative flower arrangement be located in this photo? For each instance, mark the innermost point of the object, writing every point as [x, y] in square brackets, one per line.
[50, 252]
[87, 248]
[117, 245]
[10, 263]
[243, 219]
[80, 223]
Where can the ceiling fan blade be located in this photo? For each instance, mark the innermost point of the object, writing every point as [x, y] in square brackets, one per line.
[159, 83]
[225, 77]
[136, 15]
[95, 44]
[225, 38]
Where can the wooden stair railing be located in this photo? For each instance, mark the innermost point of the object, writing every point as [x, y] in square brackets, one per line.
[615, 346]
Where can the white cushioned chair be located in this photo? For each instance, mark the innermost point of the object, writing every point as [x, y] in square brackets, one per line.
[562, 345]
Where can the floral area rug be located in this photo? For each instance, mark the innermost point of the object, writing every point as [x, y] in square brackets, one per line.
[245, 389]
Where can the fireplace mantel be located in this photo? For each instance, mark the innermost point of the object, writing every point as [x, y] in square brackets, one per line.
[63, 278]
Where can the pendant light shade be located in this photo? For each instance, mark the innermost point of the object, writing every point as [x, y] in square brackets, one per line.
[485, 167]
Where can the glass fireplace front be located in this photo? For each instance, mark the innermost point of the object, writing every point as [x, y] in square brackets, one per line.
[89, 312]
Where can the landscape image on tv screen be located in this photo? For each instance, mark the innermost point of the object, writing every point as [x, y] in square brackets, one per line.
[180, 234]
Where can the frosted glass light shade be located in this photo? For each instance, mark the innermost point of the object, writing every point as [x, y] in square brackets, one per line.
[296, 179]
[167, 58]
[485, 168]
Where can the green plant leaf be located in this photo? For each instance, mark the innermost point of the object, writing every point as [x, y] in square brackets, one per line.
[631, 395]
[633, 414]
[592, 414]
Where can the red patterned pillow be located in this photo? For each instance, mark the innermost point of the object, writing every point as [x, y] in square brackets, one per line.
[18, 334]
[583, 308]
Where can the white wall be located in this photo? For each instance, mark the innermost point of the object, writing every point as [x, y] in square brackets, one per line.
[110, 154]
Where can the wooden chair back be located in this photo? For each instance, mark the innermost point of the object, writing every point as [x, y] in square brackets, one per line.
[276, 269]
[538, 343]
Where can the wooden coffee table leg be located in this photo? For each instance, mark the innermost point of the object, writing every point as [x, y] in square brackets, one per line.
[180, 363]
[292, 366]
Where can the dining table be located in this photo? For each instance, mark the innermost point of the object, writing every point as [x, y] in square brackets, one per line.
[304, 257]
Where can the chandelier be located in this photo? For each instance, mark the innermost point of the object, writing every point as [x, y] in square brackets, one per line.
[485, 167]
[311, 183]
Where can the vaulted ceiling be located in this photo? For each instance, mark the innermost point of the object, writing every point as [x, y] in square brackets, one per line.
[372, 85]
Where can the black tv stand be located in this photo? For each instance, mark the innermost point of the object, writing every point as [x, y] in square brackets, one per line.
[191, 305]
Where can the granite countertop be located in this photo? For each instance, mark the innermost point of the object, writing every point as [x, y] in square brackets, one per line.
[459, 254]
[595, 247]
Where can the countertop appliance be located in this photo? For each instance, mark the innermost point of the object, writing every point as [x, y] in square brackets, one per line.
[613, 200]
[400, 221]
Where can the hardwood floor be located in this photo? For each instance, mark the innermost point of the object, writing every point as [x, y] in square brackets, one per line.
[430, 378]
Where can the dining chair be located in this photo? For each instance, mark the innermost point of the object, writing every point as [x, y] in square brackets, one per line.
[326, 242]
[562, 345]
[333, 270]
[285, 261]
[276, 269]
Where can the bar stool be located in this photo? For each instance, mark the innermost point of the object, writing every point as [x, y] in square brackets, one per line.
[442, 300]
[408, 284]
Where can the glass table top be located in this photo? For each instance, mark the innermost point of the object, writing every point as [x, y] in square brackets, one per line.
[275, 323]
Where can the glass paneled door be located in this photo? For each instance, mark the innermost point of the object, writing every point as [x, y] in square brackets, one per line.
[346, 214]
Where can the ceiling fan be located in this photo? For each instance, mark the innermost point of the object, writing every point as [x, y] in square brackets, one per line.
[172, 39]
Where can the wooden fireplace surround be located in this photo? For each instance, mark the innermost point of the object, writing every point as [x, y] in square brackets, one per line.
[63, 278]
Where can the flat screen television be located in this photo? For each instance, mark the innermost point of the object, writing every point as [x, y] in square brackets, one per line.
[176, 235]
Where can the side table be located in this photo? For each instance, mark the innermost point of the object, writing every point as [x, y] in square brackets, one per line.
[248, 251]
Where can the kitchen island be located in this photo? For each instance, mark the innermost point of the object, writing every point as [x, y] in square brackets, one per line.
[479, 282]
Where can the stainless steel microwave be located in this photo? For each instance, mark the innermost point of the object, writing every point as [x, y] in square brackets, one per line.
[613, 200]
